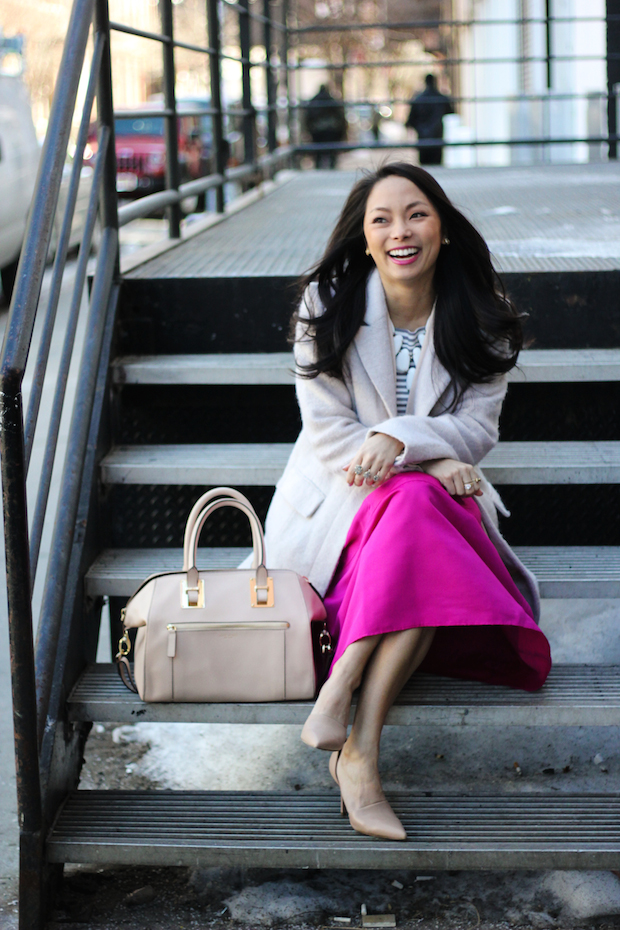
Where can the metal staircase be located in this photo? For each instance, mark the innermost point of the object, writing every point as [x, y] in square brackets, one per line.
[303, 830]
[180, 353]
[159, 396]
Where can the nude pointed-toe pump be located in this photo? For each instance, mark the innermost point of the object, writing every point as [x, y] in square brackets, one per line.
[376, 819]
[324, 732]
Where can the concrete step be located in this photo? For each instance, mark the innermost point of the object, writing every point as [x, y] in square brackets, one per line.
[263, 463]
[567, 571]
[573, 695]
[278, 367]
[286, 830]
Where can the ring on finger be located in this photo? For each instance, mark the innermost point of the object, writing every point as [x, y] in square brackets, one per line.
[467, 487]
[477, 480]
[358, 469]
[376, 477]
[368, 473]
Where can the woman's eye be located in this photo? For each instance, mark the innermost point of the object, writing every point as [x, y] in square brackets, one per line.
[413, 215]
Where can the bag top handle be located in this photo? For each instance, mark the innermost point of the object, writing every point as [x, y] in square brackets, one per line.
[196, 523]
[209, 496]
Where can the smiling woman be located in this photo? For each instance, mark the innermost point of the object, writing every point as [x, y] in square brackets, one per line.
[402, 342]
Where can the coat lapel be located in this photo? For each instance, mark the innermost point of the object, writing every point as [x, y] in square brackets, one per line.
[375, 345]
[431, 378]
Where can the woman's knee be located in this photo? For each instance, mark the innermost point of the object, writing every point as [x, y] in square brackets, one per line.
[420, 492]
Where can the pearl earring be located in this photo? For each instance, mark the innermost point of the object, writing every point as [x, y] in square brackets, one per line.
[367, 251]
[445, 241]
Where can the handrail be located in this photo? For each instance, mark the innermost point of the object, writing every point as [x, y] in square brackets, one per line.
[49, 454]
[14, 356]
[64, 528]
[61, 253]
[146, 205]
[34, 251]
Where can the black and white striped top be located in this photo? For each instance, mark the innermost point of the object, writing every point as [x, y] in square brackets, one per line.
[411, 342]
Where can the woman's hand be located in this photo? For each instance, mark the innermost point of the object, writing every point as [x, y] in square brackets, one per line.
[373, 463]
[458, 478]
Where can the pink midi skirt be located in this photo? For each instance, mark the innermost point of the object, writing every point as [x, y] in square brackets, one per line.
[417, 557]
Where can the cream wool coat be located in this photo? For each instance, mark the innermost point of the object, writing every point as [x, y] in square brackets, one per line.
[313, 507]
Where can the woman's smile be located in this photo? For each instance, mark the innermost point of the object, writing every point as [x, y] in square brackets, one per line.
[404, 256]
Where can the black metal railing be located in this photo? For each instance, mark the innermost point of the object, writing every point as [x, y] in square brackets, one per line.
[462, 66]
[37, 669]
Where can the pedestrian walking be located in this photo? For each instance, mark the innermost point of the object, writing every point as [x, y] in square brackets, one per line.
[426, 117]
[325, 122]
[402, 341]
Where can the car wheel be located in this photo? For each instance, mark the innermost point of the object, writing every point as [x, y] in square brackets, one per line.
[7, 275]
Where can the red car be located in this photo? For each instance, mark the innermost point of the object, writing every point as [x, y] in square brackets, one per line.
[141, 153]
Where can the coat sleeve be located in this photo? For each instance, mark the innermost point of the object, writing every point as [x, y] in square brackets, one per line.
[466, 435]
[327, 412]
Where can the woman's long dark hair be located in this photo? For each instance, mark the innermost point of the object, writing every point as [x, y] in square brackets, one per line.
[477, 331]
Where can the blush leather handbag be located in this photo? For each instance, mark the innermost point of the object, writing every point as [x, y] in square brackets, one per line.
[222, 635]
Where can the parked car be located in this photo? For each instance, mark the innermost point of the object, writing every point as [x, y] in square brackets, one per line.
[141, 149]
[141, 152]
[19, 158]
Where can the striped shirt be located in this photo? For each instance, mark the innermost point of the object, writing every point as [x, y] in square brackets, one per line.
[410, 343]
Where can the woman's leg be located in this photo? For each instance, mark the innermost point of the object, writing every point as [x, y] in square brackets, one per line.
[335, 696]
[389, 667]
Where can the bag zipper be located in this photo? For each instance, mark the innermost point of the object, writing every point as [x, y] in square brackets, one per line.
[197, 626]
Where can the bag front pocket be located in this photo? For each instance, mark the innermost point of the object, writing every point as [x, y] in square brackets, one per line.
[228, 661]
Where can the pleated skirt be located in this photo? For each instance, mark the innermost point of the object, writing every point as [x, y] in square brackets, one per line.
[417, 557]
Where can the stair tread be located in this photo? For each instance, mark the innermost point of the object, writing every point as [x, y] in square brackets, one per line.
[277, 368]
[562, 571]
[262, 463]
[574, 695]
[282, 829]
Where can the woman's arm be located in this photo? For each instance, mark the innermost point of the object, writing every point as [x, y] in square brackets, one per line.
[466, 435]
[445, 446]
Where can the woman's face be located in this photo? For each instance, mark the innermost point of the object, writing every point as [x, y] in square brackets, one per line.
[402, 230]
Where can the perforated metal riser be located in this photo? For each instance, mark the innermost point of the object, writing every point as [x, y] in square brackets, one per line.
[561, 515]
[155, 515]
[561, 412]
[207, 413]
[144, 516]
[269, 413]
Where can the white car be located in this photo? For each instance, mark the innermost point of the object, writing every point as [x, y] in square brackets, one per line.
[19, 159]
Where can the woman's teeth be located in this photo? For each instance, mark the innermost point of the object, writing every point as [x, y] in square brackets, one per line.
[403, 253]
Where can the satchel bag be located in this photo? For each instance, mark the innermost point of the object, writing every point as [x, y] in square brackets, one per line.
[222, 635]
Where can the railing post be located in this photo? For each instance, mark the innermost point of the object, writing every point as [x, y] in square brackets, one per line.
[271, 90]
[213, 23]
[284, 64]
[249, 116]
[613, 73]
[12, 456]
[173, 172]
[108, 203]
